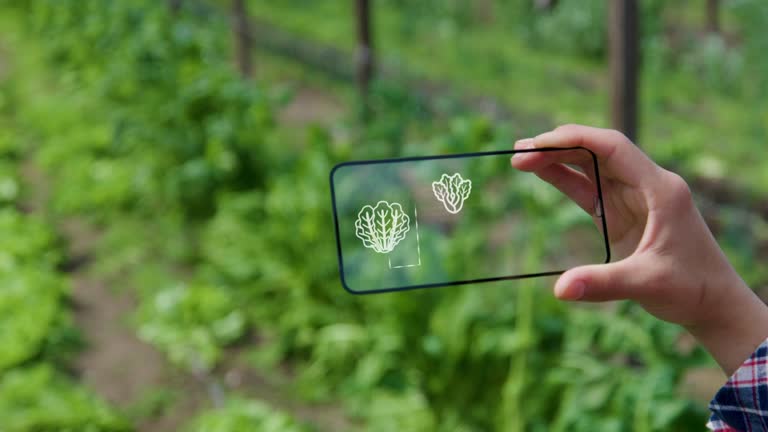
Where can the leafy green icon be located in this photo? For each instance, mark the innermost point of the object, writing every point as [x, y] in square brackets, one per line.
[452, 191]
[382, 227]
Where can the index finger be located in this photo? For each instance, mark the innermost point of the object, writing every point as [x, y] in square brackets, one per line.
[617, 155]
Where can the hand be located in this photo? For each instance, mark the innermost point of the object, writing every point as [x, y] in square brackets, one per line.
[670, 262]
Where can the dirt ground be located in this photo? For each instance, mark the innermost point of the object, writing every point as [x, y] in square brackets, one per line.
[132, 374]
[116, 363]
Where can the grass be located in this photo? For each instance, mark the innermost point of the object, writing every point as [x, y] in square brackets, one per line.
[687, 120]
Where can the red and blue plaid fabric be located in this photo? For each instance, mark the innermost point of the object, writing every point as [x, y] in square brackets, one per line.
[742, 403]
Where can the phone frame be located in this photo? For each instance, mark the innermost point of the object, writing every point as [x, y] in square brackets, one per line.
[458, 156]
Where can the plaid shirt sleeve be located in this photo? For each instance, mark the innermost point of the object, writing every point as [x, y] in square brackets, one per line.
[742, 403]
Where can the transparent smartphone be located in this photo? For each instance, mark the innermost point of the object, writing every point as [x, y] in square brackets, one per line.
[432, 221]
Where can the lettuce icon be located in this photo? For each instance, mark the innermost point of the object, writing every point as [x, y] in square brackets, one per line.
[452, 191]
[382, 227]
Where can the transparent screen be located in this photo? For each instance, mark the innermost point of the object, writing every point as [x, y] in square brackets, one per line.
[448, 220]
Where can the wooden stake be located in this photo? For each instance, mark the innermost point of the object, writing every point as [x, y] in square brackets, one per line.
[713, 16]
[174, 6]
[624, 53]
[241, 34]
[365, 55]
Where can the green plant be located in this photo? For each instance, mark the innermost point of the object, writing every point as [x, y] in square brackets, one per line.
[31, 315]
[191, 322]
[39, 399]
[243, 415]
[167, 87]
[29, 310]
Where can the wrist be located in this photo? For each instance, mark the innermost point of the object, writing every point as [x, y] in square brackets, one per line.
[732, 321]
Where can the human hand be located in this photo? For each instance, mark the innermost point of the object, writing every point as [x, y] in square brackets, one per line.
[670, 262]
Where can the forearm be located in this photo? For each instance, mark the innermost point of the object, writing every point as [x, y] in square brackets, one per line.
[733, 323]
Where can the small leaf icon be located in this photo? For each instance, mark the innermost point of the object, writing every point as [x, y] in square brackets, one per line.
[382, 227]
[452, 191]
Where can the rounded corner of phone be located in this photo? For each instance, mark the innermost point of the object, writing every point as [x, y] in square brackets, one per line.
[381, 246]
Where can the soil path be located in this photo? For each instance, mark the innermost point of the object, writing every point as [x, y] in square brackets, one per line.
[311, 106]
[115, 363]
[132, 374]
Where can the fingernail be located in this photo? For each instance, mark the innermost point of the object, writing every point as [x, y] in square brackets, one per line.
[574, 291]
[523, 144]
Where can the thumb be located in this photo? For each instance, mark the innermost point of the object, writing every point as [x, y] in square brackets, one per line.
[601, 282]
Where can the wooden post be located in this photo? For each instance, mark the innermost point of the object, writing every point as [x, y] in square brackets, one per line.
[241, 33]
[365, 56]
[545, 5]
[624, 53]
[713, 16]
[174, 6]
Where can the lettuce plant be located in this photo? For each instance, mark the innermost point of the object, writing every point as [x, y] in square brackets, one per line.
[382, 227]
[452, 191]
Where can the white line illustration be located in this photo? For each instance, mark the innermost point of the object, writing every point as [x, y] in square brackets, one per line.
[452, 191]
[418, 245]
[382, 227]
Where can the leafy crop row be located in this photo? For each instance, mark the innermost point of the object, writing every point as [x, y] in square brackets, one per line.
[37, 335]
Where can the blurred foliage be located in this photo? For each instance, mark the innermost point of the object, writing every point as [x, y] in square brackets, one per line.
[191, 322]
[37, 335]
[141, 124]
[169, 87]
[752, 16]
[29, 313]
[239, 415]
[38, 399]
[550, 65]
